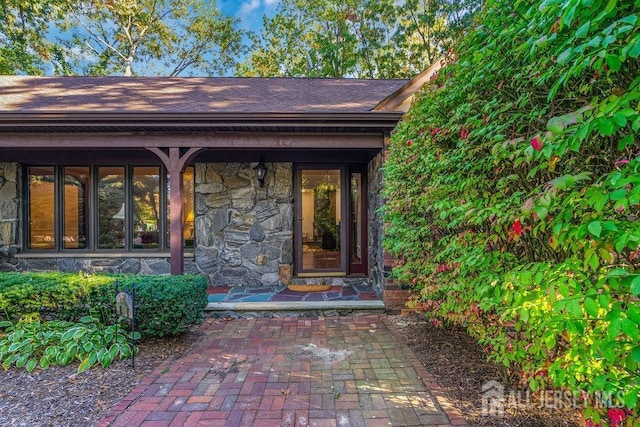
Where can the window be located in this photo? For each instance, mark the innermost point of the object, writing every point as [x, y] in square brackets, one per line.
[112, 212]
[103, 208]
[146, 207]
[75, 207]
[41, 208]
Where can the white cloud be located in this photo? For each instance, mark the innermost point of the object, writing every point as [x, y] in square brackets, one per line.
[248, 7]
[250, 12]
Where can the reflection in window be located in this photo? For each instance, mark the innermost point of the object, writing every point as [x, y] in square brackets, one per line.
[111, 208]
[356, 218]
[41, 208]
[320, 212]
[76, 220]
[146, 207]
[188, 207]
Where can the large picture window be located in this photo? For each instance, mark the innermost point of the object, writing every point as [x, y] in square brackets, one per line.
[103, 208]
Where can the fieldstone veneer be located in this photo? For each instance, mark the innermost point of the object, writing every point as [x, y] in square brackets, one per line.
[244, 233]
[9, 213]
[377, 273]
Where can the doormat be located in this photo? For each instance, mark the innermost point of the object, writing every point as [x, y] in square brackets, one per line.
[309, 288]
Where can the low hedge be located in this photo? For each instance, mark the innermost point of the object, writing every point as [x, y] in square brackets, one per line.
[164, 305]
[53, 295]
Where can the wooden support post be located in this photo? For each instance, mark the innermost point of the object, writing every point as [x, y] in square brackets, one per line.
[176, 164]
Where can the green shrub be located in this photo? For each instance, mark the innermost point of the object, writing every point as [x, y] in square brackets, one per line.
[30, 344]
[513, 188]
[53, 295]
[164, 305]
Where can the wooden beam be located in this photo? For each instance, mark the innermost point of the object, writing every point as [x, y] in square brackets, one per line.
[189, 140]
[175, 164]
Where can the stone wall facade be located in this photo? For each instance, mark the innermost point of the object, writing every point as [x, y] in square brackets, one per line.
[375, 201]
[244, 233]
[9, 214]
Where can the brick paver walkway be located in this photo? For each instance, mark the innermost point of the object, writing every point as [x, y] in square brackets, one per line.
[333, 371]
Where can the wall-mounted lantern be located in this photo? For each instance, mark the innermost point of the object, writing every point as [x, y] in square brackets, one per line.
[261, 172]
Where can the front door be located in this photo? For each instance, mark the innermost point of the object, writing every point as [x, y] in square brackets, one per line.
[330, 221]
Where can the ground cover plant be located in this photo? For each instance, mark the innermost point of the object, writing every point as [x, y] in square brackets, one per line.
[56, 318]
[513, 188]
[164, 305]
[31, 343]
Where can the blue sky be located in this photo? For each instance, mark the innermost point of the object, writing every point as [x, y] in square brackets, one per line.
[249, 12]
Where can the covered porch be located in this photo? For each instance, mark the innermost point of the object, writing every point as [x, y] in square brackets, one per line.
[201, 143]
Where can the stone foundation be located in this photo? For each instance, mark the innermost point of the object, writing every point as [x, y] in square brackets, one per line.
[111, 265]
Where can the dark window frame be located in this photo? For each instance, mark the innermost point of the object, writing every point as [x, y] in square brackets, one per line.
[92, 245]
[347, 267]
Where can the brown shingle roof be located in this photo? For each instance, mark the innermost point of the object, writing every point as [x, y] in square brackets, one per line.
[19, 94]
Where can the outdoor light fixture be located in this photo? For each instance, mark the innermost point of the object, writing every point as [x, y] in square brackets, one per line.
[261, 172]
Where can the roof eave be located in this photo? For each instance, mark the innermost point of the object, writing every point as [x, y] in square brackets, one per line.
[126, 121]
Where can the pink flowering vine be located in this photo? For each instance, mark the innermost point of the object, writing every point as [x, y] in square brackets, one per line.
[537, 143]
[517, 227]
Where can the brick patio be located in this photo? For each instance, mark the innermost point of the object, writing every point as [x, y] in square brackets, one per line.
[333, 371]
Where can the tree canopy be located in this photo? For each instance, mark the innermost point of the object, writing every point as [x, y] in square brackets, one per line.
[356, 38]
[111, 37]
[23, 23]
[310, 38]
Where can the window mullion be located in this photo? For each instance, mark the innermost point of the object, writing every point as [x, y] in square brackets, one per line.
[58, 207]
[128, 203]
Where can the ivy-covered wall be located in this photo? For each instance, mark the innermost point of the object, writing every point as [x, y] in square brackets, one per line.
[513, 188]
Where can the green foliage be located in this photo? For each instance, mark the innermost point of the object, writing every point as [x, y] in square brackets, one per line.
[23, 48]
[117, 37]
[164, 305]
[30, 344]
[149, 37]
[514, 193]
[53, 295]
[347, 38]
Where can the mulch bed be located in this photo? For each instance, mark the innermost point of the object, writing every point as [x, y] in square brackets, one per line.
[59, 397]
[458, 364]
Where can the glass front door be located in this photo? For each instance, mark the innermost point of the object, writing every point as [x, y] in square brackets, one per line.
[321, 219]
[329, 226]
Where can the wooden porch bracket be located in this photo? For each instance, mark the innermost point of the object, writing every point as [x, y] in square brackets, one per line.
[176, 164]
